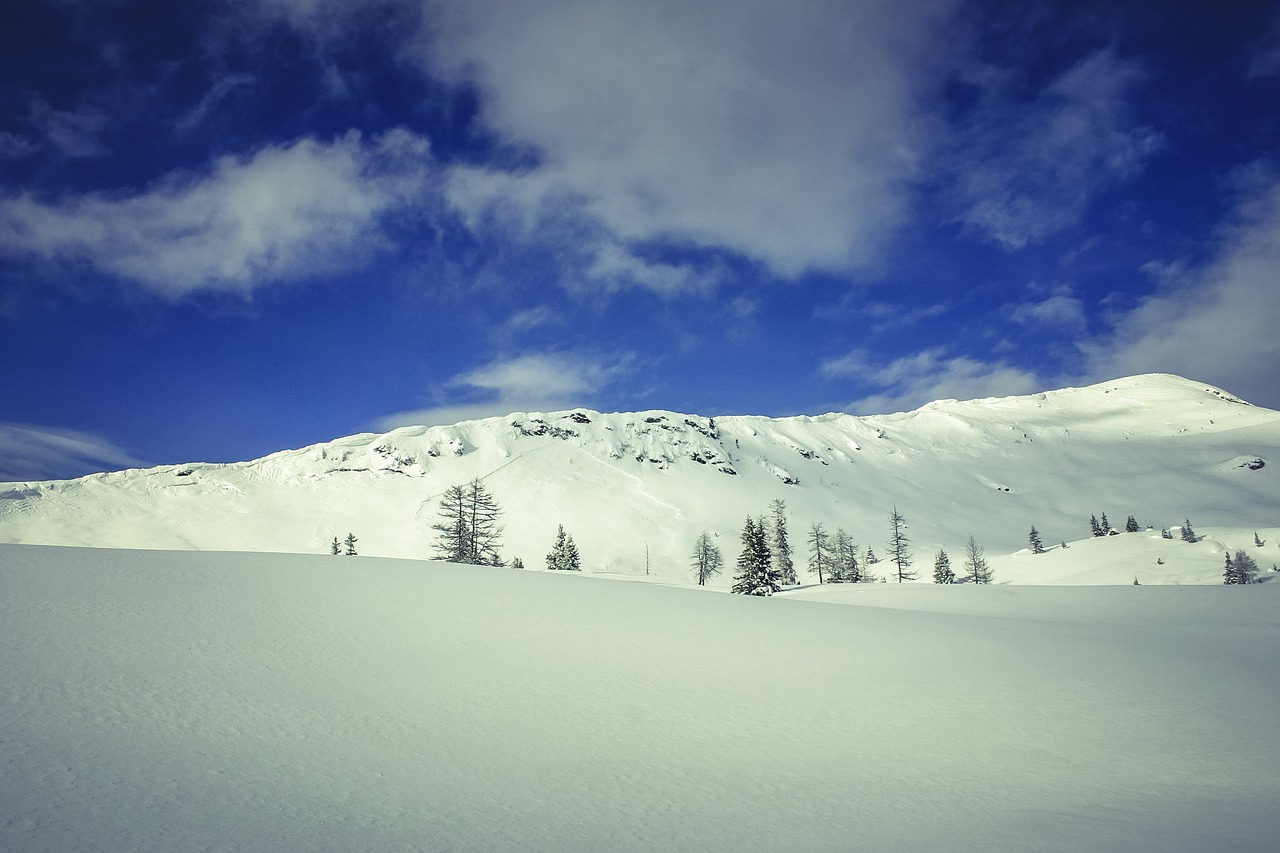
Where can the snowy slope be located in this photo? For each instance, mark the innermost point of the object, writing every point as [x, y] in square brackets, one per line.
[161, 701]
[1159, 447]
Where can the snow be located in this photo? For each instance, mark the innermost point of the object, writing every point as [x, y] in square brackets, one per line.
[165, 700]
[627, 486]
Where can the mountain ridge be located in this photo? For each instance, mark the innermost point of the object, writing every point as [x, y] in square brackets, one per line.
[636, 488]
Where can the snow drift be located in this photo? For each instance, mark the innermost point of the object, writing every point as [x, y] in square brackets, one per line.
[179, 701]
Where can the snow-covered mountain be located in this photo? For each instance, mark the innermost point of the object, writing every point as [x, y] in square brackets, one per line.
[635, 489]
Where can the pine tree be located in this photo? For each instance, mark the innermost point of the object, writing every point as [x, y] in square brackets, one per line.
[853, 571]
[517, 563]
[1131, 525]
[707, 559]
[1188, 535]
[335, 547]
[1037, 547]
[844, 559]
[1229, 574]
[756, 575]
[899, 554]
[1246, 568]
[1256, 541]
[1094, 528]
[942, 572]
[819, 558]
[976, 564]
[1104, 526]
[564, 554]
[781, 545]
[349, 544]
[468, 529]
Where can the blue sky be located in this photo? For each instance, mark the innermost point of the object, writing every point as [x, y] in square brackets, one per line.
[228, 228]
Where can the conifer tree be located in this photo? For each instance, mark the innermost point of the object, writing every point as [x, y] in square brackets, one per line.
[756, 574]
[349, 544]
[1131, 525]
[1104, 526]
[1094, 528]
[976, 564]
[1037, 547]
[468, 529]
[899, 553]
[845, 557]
[942, 572]
[335, 547]
[1188, 535]
[564, 553]
[1258, 543]
[707, 559]
[780, 545]
[1243, 568]
[819, 555]
[1229, 575]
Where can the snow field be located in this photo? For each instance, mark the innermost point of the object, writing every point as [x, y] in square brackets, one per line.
[200, 700]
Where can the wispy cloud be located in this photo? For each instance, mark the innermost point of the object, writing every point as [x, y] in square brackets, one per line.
[14, 146]
[1060, 310]
[1028, 169]
[44, 453]
[1215, 323]
[535, 382]
[72, 132]
[910, 382]
[282, 213]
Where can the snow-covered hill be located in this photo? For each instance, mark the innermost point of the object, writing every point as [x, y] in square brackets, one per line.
[636, 489]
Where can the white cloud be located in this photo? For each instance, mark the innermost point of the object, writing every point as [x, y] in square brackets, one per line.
[1214, 324]
[1031, 169]
[538, 382]
[280, 214]
[912, 381]
[789, 133]
[44, 453]
[1062, 310]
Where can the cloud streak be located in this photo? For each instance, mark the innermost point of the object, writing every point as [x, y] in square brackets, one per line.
[44, 453]
[930, 375]
[537, 382]
[282, 213]
[1028, 170]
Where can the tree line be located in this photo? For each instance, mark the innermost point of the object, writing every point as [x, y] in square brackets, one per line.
[468, 531]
